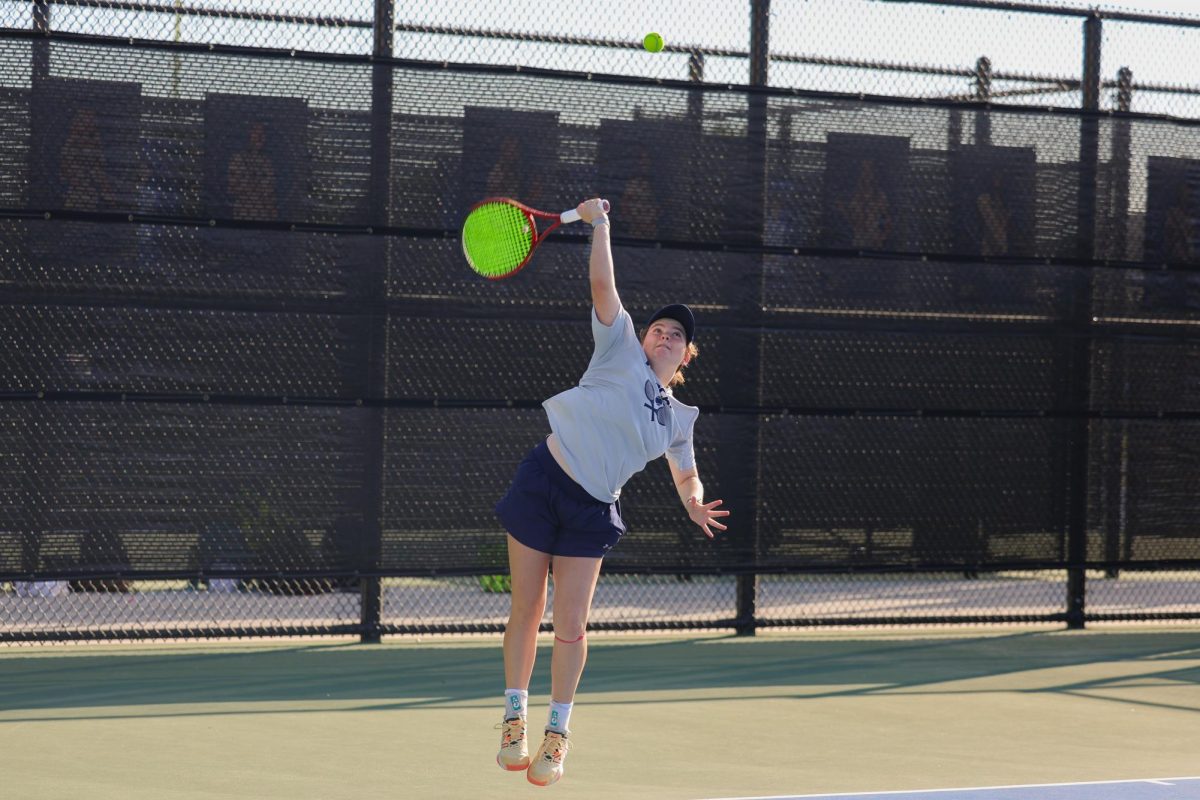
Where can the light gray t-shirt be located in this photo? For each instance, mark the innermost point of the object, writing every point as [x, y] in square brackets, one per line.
[619, 417]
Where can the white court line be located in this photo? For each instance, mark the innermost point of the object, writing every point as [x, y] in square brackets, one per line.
[1161, 781]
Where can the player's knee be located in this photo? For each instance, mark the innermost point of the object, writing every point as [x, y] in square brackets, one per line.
[570, 631]
[526, 610]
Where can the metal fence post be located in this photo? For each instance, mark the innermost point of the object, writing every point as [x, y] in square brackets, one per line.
[1117, 444]
[1081, 346]
[983, 94]
[695, 100]
[382, 89]
[742, 476]
[1121, 149]
[41, 47]
[41, 16]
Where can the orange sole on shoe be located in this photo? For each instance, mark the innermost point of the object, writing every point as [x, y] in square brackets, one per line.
[529, 778]
[514, 767]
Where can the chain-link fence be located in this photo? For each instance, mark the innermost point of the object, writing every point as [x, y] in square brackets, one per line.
[1014, 53]
[59, 610]
[949, 367]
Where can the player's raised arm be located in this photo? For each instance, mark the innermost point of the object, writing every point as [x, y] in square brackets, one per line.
[600, 264]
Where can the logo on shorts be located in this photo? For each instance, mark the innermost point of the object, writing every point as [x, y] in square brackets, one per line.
[659, 404]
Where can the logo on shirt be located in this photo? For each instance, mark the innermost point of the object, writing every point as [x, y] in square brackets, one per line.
[659, 404]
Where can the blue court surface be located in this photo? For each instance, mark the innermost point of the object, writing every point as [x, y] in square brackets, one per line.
[1145, 789]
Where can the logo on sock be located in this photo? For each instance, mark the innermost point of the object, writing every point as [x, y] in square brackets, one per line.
[553, 719]
[516, 703]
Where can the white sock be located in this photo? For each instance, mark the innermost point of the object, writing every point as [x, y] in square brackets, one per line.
[516, 703]
[560, 715]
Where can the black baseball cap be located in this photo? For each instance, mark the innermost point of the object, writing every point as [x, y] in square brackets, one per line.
[681, 314]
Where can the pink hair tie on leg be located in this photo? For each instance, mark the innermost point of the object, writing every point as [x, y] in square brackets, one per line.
[567, 641]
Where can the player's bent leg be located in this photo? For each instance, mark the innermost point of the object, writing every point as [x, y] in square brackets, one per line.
[574, 585]
[528, 569]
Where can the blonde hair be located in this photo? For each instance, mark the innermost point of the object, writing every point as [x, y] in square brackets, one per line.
[678, 377]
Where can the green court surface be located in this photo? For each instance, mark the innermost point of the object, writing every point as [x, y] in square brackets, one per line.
[684, 716]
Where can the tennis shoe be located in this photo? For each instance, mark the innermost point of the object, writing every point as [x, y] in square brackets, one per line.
[546, 767]
[514, 750]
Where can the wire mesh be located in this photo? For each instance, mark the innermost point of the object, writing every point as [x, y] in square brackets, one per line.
[926, 50]
[577, 39]
[312, 25]
[116, 609]
[933, 50]
[620, 602]
[45, 610]
[943, 597]
[1132, 595]
[1157, 85]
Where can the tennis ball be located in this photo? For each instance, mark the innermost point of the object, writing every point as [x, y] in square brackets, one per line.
[653, 42]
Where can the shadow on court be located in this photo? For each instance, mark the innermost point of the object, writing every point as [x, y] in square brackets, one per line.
[132, 681]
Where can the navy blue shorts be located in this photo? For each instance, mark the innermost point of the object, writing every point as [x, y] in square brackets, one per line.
[546, 510]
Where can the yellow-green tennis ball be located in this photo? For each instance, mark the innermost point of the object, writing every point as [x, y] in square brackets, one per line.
[653, 42]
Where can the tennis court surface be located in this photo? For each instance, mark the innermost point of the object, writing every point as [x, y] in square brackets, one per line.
[899, 714]
[1148, 789]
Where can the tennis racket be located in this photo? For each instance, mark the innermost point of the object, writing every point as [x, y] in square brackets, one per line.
[499, 235]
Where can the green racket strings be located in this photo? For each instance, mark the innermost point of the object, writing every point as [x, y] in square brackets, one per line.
[496, 239]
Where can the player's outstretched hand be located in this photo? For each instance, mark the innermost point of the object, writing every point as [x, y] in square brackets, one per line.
[704, 515]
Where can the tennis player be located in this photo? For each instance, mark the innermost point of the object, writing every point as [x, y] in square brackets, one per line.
[562, 510]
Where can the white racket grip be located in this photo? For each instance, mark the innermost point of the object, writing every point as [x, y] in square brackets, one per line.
[573, 214]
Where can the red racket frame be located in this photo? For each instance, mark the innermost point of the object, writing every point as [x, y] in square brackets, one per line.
[531, 214]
